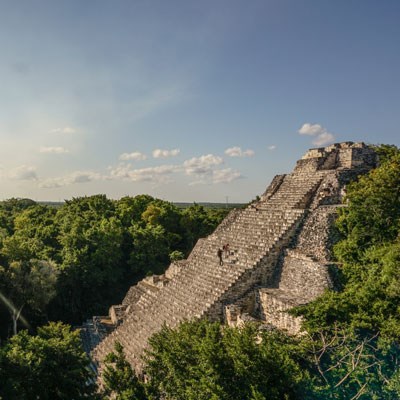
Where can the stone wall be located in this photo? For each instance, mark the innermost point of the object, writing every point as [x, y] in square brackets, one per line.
[274, 305]
[339, 155]
[303, 276]
[318, 234]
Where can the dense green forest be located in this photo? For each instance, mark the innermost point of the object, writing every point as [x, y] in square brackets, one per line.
[69, 263]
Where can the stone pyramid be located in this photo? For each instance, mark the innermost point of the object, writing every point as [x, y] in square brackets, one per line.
[279, 257]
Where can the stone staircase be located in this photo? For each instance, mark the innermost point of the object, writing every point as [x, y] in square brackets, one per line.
[303, 271]
[202, 287]
[267, 247]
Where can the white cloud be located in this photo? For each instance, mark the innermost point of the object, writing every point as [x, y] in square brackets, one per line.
[237, 152]
[136, 156]
[53, 150]
[159, 153]
[323, 139]
[201, 165]
[226, 175]
[66, 129]
[321, 134]
[84, 176]
[311, 129]
[74, 177]
[272, 147]
[23, 173]
[155, 174]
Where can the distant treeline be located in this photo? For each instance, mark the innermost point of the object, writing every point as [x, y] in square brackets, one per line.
[181, 205]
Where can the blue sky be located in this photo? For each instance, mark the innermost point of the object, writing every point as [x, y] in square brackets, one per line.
[187, 100]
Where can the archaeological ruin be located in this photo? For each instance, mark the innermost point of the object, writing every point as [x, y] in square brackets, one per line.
[279, 257]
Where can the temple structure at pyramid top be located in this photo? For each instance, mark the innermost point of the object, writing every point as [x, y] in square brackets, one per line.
[279, 257]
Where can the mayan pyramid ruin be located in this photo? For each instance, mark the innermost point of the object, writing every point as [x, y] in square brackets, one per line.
[279, 257]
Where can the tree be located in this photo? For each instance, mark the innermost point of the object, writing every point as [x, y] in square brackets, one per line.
[203, 360]
[372, 216]
[9, 209]
[369, 258]
[27, 284]
[165, 214]
[92, 268]
[352, 366]
[150, 249]
[120, 382]
[48, 366]
[35, 235]
[199, 222]
[355, 332]
[130, 209]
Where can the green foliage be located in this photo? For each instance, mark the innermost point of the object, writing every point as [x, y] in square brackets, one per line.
[370, 300]
[98, 246]
[369, 255]
[120, 382]
[131, 209]
[35, 235]
[357, 329]
[176, 255]
[202, 360]
[48, 366]
[373, 213]
[348, 365]
[91, 238]
[10, 208]
[386, 152]
[199, 222]
[30, 285]
[150, 249]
